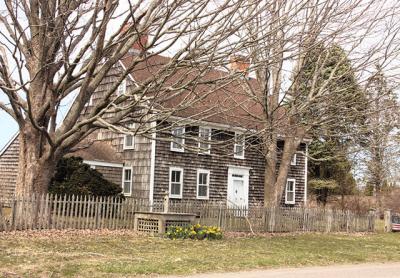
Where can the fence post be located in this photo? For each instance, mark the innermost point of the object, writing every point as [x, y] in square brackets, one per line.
[272, 220]
[166, 202]
[347, 221]
[13, 214]
[220, 216]
[371, 220]
[388, 221]
[329, 221]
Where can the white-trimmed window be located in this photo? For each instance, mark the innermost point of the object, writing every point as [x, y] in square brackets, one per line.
[178, 139]
[294, 160]
[290, 194]
[175, 182]
[129, 139]
[239, 145]
[203, 184]
[204, 140]
[121, 88]
[127, 181]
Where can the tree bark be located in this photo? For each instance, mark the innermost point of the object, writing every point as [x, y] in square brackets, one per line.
[270, 173]
[290, 147]
[276, 175]
[36, 167]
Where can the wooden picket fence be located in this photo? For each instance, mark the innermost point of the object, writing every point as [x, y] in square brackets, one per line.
[88, 212]
[67, 212]
[281, 219]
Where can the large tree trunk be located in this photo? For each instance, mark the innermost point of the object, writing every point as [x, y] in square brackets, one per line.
[36, 167]
[270, 173]
[290, 147]
[275, 177]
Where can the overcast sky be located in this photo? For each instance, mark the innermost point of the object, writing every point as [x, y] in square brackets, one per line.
[8, 127]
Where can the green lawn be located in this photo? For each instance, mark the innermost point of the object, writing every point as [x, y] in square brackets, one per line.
[110, 254]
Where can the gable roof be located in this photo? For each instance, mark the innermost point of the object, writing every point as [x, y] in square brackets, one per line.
[216, 97]
[100, 151]
[9, 143]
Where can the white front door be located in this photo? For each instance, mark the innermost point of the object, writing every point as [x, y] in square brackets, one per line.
[238, 187]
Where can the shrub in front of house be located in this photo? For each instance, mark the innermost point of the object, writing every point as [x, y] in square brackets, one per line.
[73, 177]
[197, 231]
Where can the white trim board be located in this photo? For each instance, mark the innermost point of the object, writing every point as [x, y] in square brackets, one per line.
[305, 175]
[152, 164]
[102, 163]
[239, 167]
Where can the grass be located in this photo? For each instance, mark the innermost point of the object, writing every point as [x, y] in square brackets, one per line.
[109, 254]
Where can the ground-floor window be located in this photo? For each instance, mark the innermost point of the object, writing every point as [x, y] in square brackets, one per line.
[127, 181]
[203, 184]
[175, 182]
[290, 195]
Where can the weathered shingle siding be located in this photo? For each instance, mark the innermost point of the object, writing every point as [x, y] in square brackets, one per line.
[113, 174]
[218, 163]
[138, 158]
[9, 169]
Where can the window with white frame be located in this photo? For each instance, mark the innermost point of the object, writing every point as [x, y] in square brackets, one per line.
[121, 88]
[178, 139]
[294, 160]
[203, 184]
[175, 182]
[129, 139]
[290, 195]
[204, 140]
[239, 145]
[127, 181]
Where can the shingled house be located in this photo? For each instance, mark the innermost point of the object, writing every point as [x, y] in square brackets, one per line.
[213, 158]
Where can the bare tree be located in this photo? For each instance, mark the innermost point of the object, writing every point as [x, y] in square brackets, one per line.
[295, 99]
[380, 131]
[60, 51]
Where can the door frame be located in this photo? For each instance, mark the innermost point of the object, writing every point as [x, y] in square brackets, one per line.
[238, 170]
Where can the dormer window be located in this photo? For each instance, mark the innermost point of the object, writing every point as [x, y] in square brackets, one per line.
[293, 162]
[121, 88]
[129, 139]
[89, 102]
[239, 146]
[204, 140]
[178, 139]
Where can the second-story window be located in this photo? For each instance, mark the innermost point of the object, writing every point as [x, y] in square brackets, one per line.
[239, 145]
[204, 140]
[178, 139]
[121, 88]
[129, 140]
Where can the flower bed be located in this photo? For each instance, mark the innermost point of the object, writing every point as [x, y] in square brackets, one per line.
[197, 231]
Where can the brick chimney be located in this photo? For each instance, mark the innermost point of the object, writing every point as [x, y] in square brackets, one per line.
[141, 43]
[239, 63]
